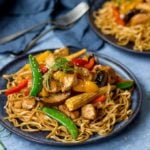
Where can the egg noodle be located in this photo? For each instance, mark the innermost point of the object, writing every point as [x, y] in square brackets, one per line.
[116, 108]
[138, 34]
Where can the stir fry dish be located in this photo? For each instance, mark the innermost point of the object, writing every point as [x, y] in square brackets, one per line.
[127, 20]
[70, 96]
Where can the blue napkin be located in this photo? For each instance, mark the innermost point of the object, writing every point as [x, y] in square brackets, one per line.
[19, 14]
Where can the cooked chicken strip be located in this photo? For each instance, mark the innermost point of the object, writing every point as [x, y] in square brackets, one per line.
[88, 112]
[28, 103]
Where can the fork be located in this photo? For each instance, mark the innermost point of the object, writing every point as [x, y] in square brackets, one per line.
[62, 22]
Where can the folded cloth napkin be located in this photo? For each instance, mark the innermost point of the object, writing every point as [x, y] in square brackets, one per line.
[17, 15]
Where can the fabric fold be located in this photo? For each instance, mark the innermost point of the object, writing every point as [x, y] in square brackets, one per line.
[24, 14]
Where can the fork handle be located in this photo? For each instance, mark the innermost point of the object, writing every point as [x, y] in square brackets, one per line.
[34, 41]
[20, 33]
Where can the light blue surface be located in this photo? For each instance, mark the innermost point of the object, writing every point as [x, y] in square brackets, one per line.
[135, 137]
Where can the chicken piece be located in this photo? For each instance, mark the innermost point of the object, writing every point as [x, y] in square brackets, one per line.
[141, 18]
[144, 7]
[54, 87]
[68, 81]
[147, 1]
[28, 103]
[111, 73]
[51, 85]
[18, 104]
[65, 110]
[88, 111]
[84, 73]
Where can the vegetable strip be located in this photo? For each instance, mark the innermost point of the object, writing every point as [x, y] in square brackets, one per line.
[37, 76]
[125, 84]
[62, 119]
[17, 88]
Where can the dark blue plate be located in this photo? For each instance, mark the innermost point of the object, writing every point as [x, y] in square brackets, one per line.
[95, 5]
[39, 137]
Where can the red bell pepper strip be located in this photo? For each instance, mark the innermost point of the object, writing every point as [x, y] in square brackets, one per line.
[17, 88]
[118, 19]
[100, 99]
[118, 79]
[43, 68]
[79, 62]
[90, 64]
[26, 92]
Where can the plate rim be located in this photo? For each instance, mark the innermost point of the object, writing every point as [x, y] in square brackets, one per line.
[104, 37]
[97, 138]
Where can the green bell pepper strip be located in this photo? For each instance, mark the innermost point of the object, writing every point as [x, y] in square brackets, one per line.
[125, 84]
[62, 119]
[36, 76]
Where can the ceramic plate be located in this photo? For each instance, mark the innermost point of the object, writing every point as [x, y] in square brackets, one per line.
[95, 5]
[39, 137]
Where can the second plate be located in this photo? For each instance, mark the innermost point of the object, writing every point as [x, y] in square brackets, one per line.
[109, 38]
